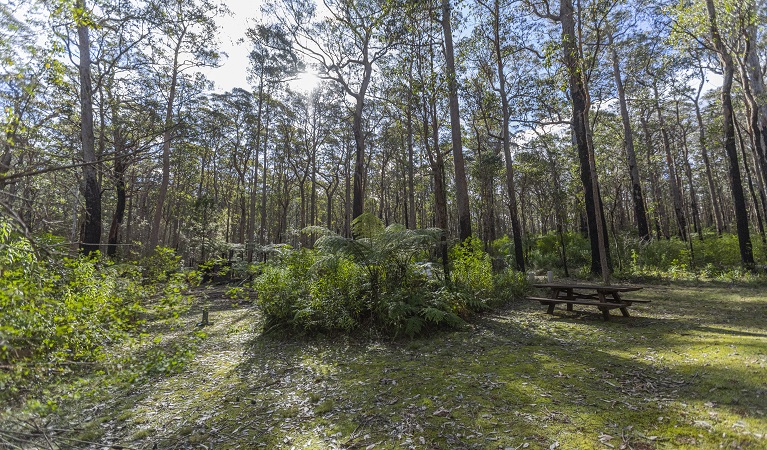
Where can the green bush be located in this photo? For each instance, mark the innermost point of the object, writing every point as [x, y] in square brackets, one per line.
[472, 269]
[545, 253]
[510, 284]
[59, 311]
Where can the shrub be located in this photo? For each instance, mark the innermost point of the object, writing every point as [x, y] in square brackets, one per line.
[472, 269]
[61, 311]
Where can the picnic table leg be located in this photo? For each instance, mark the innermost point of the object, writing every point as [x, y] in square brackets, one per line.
[624, 310]
[551, 309]
[569, 295]
[605, 311]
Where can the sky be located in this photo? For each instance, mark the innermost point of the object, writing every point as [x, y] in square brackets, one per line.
[233, 71]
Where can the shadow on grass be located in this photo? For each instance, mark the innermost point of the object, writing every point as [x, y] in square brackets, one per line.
[670, 376]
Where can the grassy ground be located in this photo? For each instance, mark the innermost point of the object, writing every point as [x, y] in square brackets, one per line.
[688, 370]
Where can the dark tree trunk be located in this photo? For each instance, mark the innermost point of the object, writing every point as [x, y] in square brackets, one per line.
[580, 129]
[91, 188]
[741, 215]
[519, 257]
[119, 174]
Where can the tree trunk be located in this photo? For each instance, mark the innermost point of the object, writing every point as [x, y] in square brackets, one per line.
[410, 222]
[461, 185]
[741, 215]
[707, 162]
[676, 195]
[154, 236]
[91, 188]
[628, 139]
[358, 202]
[757, 199]
[519, 257]
[579, 125]
[119, 173]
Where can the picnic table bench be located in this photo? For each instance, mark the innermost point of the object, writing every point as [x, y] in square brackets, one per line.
[603, 297]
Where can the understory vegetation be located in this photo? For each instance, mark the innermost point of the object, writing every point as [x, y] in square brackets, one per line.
[74, 330]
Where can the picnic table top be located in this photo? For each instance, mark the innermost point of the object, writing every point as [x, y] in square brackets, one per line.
[595, 287]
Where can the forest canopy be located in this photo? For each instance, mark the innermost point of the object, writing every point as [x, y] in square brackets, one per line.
[624, 122]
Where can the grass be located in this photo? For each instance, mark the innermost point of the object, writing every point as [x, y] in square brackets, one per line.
[686, 371]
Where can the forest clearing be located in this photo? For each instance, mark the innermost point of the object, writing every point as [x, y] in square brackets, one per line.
[687, 372]
[383, 224]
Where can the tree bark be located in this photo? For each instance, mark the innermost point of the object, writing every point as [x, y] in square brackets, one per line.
[676, 195]
[154, 236]
[91, 188]
[741, 215]
[628, 139]
[579, 125]
[461, 185]
[519, 257]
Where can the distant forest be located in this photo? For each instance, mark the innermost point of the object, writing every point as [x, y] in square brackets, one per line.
[504, 120]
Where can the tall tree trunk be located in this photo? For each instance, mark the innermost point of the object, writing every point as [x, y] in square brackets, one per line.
[410, 222]
[358, 202]
[461, 185]
[741, 215]
[262, 229]
[251, 246]
[154, 236]
[628, 139]
[119, 174]
[757, 199]
[91, 187]
[676, 195]
[712, 190]
[688, 174]
[579, 125]
[519, 257]
[757, 89]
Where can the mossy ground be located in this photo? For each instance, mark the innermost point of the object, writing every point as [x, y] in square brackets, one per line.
[688, 370]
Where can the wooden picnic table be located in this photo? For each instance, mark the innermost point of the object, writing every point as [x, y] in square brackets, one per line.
[603, 297]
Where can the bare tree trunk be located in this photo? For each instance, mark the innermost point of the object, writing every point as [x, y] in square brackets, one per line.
[410, 205]
[688, 174]
[579, 124]
[461, 185]
[519, 257]
[706, 161]
[91, 187]
[119, 173]
[628, 139]
[254, 187]
[676, 195]
[755, 198]
[154, 236]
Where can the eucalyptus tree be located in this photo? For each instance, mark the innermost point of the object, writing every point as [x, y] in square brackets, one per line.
[272, 60]
[183, 39]
[500, 35]
[717, 30]
[345, 39]
[637, 196]
[660, 66]
[461, 186]
[577, 67]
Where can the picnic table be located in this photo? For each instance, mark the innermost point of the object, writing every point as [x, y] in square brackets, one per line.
[603, 297]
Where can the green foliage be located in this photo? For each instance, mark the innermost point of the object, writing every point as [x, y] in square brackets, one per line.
[161, 264]
[510, 284]
[382, 279]
[57, 313]
[546, 251]
[472, 270]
